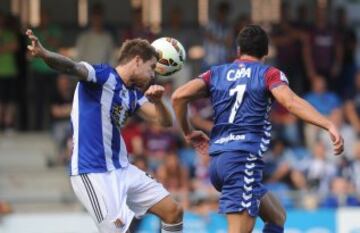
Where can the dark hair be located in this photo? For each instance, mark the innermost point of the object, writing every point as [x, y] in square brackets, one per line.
[252, 40]
[134, 47]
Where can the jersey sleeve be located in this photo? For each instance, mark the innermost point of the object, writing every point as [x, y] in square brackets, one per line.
[274, 77]
[206, 77]
[140, 100]
[97, 73]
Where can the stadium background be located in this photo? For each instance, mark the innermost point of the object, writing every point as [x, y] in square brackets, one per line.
[320, 192]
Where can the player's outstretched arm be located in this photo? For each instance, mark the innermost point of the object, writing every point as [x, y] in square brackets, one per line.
[302, 109]
[181, 97]
[54, 60]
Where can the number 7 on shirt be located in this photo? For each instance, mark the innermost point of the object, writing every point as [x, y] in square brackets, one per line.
[239, 90]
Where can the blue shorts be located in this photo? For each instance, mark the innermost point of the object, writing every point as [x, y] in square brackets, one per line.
[238, 175]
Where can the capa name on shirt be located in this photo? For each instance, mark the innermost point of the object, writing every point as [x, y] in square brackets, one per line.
[235, 74]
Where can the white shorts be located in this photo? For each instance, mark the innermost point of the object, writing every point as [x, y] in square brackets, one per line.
[118, 194]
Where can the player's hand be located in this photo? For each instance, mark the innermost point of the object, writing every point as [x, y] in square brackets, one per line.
[36, 49]
[337, 140]
[200, 141]
[154, 93]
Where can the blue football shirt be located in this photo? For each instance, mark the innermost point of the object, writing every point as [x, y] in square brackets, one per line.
[241, 99]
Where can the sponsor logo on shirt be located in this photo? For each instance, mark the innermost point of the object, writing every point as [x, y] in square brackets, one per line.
[119, 116]
[231, 137]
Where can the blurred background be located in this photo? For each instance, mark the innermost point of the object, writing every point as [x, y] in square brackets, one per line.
[313, 41]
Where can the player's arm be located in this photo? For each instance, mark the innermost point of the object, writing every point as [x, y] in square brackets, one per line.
[155, 110]
[54, 60]
[196, 88]
[302, 109]
[190, 91]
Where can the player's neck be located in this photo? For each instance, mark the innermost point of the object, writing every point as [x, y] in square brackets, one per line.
[248, 58]
[125, 75]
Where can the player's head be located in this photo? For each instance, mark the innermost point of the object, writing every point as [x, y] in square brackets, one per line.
[143, 58]
[252, 40]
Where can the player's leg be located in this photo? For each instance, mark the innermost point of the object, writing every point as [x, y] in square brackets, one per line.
[272, 213]
[240, 222]
[170, 213]
[147, 195]
[237, 175]
[105, 200]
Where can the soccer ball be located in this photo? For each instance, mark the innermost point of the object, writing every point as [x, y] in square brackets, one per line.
[171, 55]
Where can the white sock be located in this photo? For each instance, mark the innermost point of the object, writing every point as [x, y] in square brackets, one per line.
[171, 228]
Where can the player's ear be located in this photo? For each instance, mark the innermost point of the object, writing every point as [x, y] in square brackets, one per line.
[137, 60]
[238, 51]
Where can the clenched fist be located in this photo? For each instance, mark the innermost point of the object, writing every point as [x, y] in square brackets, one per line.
[154, 93]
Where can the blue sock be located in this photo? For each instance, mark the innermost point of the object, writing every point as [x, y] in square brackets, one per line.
[273, 228]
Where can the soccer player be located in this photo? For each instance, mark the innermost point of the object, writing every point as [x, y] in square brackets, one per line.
[112, 190]
[241, 94]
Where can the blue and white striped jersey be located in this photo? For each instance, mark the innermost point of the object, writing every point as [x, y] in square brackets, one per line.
[101, 105]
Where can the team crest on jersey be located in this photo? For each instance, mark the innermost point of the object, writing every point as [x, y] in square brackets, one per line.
[123, 93]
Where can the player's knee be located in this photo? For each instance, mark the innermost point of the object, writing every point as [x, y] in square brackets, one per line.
[174, 214]
[280, 218]
[283, 219]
